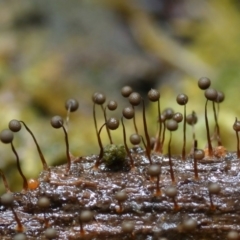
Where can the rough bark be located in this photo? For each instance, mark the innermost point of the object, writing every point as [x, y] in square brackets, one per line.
[154, 216]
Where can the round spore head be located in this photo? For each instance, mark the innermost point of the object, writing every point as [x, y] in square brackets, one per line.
[182, 99]
[214, 188]
[199, 154]
[163, 117]
[112, 105]
[126, 91]
[220, 97]
[71, 104]
[204, 83]
[20, 236]
[94, 96]
[236, 125]
[112, 123]
[99, 98]
[233, 235]
[154, 170]
[134, 98]
[192, 118]
[7, 199]
[86, 216]
[211, 94]
[189, 225]
[128, 112]
[33, 184]
[50, 233]
[153, 95]
[121, 196]
[57, 122]
[135, 139]
[172, 125]
[168, 113]
[6, 136]
[43, 202]
[128, 226]
[14, 125]
[178, 117]
[171, 191]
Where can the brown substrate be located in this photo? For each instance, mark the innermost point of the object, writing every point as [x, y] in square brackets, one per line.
[154, 217]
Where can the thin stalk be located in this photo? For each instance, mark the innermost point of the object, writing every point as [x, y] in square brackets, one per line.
[210, 149]
[44, 163]
[25, 183]
[170, 158]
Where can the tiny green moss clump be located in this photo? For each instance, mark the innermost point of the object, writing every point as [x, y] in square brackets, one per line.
[114, 155]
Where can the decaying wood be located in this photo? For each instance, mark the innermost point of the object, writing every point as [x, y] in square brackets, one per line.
[154, 216]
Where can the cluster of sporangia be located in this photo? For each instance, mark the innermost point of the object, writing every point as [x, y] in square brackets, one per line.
[117, 157]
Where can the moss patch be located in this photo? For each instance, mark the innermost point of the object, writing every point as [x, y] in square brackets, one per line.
[114, 156]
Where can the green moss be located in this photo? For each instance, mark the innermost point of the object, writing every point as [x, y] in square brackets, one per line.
[114, 155]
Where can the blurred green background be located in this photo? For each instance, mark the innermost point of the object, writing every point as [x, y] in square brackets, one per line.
[53, 50]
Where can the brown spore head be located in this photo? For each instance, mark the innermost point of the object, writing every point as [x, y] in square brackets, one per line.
[20, 236]
[135, 139]
[172, 125]
[134, 98]
[178, 117]
[199, 154]
[211, 94]
[128, 226]
[236, 125]
[112, 105]
[233, 235]
[204, 83]
[220, 97]
[182, 99]
[7, 199]
[112, 123]
[153, 95]
[6, 136]
[121, 196]
[43, 202]
[14, 125]
[86, 216]
[57, 122]
[71, 104]
[128, 112]
[214, 188]
[191, 119]
[50, 233]
[168, 113]
[189, 225]
[126, 91]
[99, 98]
[171, 191]
[154, 170]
